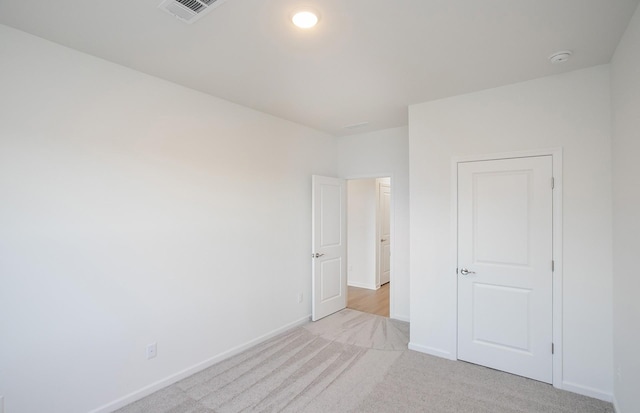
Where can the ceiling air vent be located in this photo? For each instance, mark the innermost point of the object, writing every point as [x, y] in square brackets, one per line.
[189, 10]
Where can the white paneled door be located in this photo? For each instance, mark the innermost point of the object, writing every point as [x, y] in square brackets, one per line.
[384, 232]
[328, 246]
[505, 265]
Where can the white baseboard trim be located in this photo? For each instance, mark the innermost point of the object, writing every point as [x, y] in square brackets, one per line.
[404, 318]
[431, 351]
[360, 285]
[616, 407]
[587, 391]
[160, 384]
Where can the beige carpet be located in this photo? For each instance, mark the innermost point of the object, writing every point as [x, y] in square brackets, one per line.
[355, 362]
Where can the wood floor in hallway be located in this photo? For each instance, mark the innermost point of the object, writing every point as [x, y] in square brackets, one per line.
[369, 301]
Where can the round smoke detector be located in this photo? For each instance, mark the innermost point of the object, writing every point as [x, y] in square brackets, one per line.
[560, 57]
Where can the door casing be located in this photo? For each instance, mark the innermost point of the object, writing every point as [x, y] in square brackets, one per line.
[556, 154]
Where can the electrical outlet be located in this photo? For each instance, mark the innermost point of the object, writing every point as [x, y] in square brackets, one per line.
[300, 297]
[152, 351]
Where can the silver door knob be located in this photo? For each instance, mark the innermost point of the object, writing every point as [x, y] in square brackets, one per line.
[465, 271]
[316, 255]
[383, 240]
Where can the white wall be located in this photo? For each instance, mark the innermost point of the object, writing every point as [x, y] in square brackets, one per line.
[377, 154]
[132, 211]
[361, 232]
[570, 111]
[625, 88]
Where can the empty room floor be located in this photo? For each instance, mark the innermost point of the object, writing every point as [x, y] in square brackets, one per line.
[355, 362]
[369, 301]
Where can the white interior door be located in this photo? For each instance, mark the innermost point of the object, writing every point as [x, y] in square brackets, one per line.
[329, 246]
[505, 265]
[384, 232]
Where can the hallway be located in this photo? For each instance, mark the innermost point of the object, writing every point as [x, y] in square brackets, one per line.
[369, 301]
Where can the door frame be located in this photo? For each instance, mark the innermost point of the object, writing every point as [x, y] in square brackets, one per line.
[392, 226]
[556, 156]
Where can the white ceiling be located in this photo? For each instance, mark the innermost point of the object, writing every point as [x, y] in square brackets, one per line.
[366, 61]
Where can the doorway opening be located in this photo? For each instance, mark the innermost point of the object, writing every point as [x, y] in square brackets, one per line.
[369, 245]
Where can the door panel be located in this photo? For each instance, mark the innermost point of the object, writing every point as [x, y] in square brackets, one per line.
[330, 217]
[506, 216]
[495, 308]
[329, 246]
[331, 282]
[505, 242]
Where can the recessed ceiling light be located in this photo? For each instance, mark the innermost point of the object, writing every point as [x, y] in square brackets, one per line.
[561, 56]
[305, 19]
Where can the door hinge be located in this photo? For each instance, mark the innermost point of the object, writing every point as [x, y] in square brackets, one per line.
[553, 265]
[456, 270]
[553, 183]
[553, 349]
